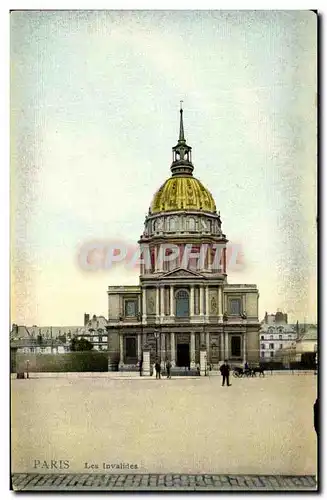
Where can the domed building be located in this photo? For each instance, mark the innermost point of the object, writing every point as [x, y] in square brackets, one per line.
[183, 304]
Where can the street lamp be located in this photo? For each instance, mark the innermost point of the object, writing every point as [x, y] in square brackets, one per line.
[156, 336]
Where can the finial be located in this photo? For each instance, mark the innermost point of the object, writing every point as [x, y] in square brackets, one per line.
[181, 126]
[182, 153]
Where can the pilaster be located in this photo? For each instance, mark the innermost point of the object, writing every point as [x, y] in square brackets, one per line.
[172, 349]
[192, 360]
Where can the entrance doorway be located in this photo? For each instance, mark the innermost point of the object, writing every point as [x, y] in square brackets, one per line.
[130, 350]
[183, 355]
[236, 346]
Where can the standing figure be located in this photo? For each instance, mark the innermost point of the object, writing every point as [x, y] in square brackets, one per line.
[158, 369]
[168, 367]
[140, 366]
[224, 370]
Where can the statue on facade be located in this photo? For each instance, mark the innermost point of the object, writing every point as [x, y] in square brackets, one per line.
[150, 305]
[213, 305]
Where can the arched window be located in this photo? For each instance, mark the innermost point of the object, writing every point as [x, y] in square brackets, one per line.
[172, 224]
[182, 304]
[191, 224]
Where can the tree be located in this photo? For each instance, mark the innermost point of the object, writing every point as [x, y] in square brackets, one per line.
[62, 338]
[80, 345]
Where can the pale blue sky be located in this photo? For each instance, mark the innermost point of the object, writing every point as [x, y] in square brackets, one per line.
[95, 99]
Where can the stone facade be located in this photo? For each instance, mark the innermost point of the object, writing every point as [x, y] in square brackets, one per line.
[183, 302]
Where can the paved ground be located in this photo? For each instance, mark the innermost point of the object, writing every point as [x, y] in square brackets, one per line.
[191, 426]
[160, 482]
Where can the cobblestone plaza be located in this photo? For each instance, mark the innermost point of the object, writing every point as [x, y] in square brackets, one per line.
[182, 427]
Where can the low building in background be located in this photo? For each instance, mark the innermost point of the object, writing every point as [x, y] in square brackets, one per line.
[95, 331]
[303, 351]
[276, 335]
[39, 340]
[307, 343]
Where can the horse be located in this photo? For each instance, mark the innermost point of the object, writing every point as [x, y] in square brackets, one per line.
[258, 369]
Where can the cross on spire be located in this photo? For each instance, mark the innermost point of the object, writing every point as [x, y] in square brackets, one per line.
[181, 125]
[182, 160]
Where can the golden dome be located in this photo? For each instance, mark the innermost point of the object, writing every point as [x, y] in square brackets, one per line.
[182, 193]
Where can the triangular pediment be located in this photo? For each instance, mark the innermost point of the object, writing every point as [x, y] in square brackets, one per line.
[182, 273]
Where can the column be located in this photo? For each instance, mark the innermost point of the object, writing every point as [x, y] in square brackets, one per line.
[192, 350]
[192, 301]
[172, 349]
[121, 349]
[201, 301]
[244, 347]
[208, 345]
[156, 259]
[139, 349]
[226, 346]
[157, 303]
[207, 300]
[163, 348]
[144, 304]
[222, 348]
[172, 309]
[162, 301]
[220, 311]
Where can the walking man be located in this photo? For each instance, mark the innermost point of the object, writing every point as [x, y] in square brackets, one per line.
[224, 370]
[140, 366]
[158, 369]
[168, 367]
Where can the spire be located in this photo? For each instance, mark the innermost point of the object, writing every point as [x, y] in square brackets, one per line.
[181, 125]
[182, 153]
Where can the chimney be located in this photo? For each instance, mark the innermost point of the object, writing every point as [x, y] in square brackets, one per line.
[86, 319]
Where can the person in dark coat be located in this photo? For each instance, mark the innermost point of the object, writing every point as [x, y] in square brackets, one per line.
[316, 416]
[224, 370]
[168, 367]
[140, 366]
[158, 369]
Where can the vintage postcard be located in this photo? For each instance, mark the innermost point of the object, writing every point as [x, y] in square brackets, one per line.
[163, 250]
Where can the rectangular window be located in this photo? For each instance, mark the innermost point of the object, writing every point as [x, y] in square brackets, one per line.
[271, 354]
[280, 346]
[280, 337]
[130, 308]
[262, 354]
[262, 346]
[262, 337]
[235, 307]
[104, 339]
[271, 346]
